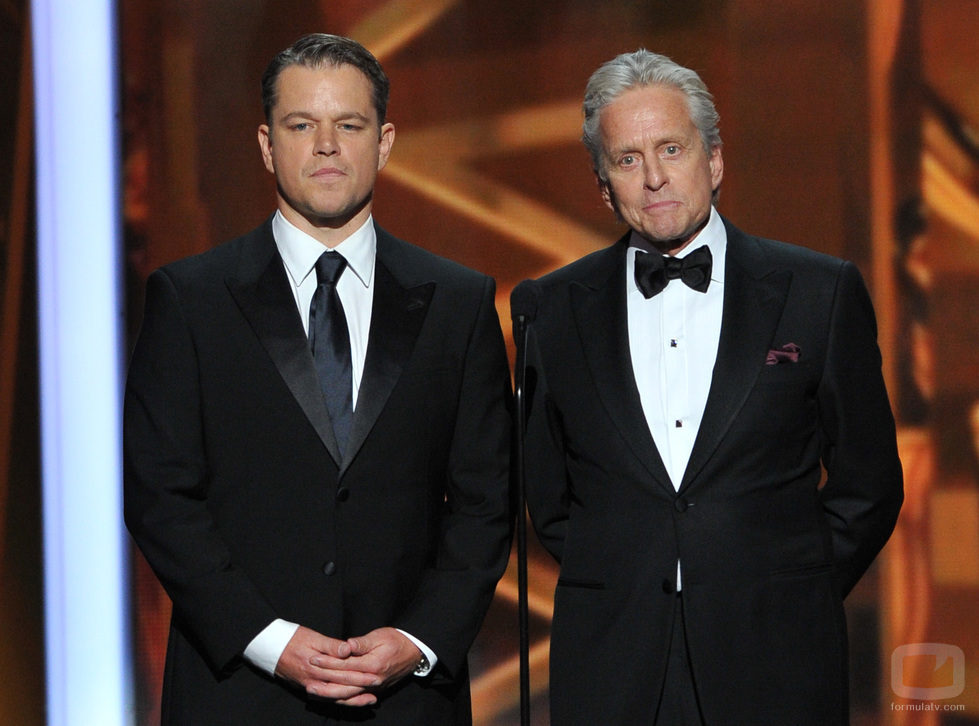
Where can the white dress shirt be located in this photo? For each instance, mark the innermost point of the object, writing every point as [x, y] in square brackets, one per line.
[299, 253]
[673, 338]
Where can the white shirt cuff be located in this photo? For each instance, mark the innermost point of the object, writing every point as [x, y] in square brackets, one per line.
[426, 651]
[266, 648]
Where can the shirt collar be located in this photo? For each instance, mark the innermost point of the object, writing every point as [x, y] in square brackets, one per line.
[714, 235]
[300, 251]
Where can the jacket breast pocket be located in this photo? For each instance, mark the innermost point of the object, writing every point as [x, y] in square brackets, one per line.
[787, 373]
[580, 583]
[782, 401]
[801, 572]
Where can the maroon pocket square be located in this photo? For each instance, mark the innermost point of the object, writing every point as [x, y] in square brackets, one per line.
[789, 353]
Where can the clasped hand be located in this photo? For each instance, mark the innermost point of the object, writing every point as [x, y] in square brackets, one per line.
[349, 672]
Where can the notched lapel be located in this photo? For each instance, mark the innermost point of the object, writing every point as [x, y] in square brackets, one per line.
[599, 308]
[396, 319]
[268, 305]
[753, 304]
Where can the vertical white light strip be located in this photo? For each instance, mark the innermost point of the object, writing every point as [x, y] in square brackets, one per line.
[86, 618]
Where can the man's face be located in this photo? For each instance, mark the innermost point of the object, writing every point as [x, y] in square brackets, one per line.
[325, 147]
[660, 178]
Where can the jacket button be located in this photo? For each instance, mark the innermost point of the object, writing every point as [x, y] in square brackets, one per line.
[681, 504]
[668, 586]
[329, 568]
[343, 494]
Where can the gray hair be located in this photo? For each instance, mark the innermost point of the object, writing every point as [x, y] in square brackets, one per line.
[317, 50]
[643, 68]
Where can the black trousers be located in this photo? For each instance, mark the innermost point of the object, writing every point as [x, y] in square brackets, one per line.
[678, 703]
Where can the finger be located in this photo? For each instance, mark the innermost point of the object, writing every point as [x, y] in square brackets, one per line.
[334, 691]
[338, 648]
[359, 679]
[332, 647]
[329, 663]
[352, 664]
[359, 646]
[364, 699]
[369, 663]
[311, 640]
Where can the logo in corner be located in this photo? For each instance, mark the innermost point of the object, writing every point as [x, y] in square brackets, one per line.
[928, 671]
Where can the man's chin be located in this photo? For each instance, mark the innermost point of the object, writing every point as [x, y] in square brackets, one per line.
[325, 217]
[671, 239]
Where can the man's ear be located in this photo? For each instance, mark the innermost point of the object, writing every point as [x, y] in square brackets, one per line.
[385, 143]
[265, 144]
[716, 167]
[607, 195]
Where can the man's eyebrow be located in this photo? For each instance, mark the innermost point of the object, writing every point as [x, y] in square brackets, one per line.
[353, 114]
[339, 117]
[296, 114]
[625, 148]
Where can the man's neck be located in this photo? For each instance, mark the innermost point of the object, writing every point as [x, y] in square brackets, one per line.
[327, 231]
[667, 247]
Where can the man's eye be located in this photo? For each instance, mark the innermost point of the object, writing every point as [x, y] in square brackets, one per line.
[302, 126]
[672, 150]
[627, 160]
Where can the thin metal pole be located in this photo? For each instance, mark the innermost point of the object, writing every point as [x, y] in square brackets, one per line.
[520, 375]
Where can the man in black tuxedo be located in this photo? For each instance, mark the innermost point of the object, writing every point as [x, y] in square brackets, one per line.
[688, 384]
[329, 512]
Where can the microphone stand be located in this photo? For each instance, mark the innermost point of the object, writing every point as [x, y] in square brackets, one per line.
[520, 375]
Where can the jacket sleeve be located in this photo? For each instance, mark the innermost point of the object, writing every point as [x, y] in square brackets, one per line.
[476, 525]
[545, 471]
[864, 487]
[166, 487]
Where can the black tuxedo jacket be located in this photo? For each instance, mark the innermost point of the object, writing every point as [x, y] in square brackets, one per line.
[767, 555]
[236, 494]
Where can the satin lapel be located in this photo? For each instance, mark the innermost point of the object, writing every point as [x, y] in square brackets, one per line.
[396, 319]
[261, 289]
[754, 297]
[599, 308]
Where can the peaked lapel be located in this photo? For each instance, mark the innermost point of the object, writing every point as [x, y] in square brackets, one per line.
[598, 303]
[260, 287]
[397, 314]
[754, 297]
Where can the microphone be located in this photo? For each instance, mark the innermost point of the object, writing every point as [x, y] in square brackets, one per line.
[524, 301]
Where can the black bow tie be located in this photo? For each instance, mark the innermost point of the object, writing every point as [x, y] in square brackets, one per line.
[654, 271]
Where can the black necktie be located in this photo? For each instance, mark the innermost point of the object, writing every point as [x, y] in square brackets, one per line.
[654, 271]
[330, 342]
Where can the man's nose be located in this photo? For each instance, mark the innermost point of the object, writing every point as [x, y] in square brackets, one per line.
[654, 175]
[326, 141]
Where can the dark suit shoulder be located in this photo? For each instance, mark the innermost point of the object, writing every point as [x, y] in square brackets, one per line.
[793, 254]
[548, 297]
[779, 255]
[413, 265]
[224, 260]
[591, 268]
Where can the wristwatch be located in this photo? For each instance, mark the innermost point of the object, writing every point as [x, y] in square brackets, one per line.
[423, 667]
